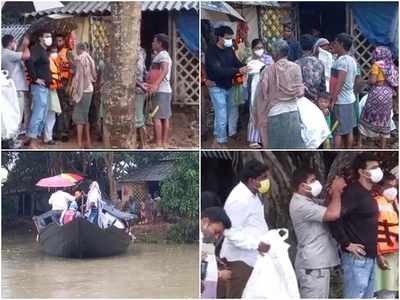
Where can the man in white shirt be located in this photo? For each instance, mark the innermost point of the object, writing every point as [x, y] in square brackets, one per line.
[59, 200]
[246, 211]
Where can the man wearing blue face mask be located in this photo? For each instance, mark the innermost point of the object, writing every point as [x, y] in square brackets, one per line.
[316, 250]
[221, 67]
[356, 229]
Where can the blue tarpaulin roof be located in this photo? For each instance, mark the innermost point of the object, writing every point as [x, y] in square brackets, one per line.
[378, 22]
[187, 23]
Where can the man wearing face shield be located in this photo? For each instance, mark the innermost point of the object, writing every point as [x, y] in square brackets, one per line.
[39, 70]
[316, 250]
[246, 211]
[356, 229]
[214, 221]
[222, 65]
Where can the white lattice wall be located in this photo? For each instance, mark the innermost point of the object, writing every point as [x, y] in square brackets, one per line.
[187, 69]
[362, 50]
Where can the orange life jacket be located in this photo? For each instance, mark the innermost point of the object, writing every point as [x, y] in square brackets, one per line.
[388, 226]
[63, 62]
[55, 75]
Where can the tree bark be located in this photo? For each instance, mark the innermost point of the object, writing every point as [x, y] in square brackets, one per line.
[109, 159]
[119, 130]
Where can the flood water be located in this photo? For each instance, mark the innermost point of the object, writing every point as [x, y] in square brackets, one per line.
[146, 270]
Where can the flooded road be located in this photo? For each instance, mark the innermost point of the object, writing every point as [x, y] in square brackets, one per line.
[146, 270]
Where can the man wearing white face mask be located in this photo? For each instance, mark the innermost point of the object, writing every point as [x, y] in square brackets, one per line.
[356, 230]
[246, 211]
[316, 250]
[222, 65]
[39, 70]
[387, 268]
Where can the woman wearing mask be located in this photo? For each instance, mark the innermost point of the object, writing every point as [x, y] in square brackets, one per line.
[255, 64]
[387, 267]
[383, 81]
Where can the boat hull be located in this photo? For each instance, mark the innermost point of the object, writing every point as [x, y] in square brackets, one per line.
[82, 239]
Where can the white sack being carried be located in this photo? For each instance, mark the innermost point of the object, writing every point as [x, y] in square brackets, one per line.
[314, 129]
[273, 276]
[361, 105]
[10, 111]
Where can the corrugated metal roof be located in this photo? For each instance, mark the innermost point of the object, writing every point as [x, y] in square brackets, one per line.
[16, 30]
[169, 5]
[256, 3]
[226, 155]
[153, 172]
[102, 7]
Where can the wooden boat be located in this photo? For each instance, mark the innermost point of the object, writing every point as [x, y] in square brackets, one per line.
[79, 238]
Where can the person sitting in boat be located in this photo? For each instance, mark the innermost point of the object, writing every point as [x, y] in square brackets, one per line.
[59, 200]
[92, 203]
[79, 198]
[70, 213]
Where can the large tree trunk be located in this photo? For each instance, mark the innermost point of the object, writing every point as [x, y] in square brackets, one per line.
[119, 130]
[109, 159]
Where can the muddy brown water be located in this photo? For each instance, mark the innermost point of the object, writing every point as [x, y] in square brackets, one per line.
[144, 271]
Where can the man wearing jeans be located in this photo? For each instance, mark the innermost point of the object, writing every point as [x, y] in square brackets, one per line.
[39, 69]
[356, 229]
[221, 67]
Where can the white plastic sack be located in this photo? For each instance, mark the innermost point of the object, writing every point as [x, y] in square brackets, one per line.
[361, 105]
[211, 280]
[314, 129]
[273, 276]
[10, 110]
[255, 66]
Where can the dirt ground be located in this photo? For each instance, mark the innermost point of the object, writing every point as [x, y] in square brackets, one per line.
[240, 140]
[184, 132]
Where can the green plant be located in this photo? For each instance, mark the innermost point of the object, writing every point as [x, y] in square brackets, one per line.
[180, 192]
[185, 231]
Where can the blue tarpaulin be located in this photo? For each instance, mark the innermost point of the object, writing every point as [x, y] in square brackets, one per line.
[378, 22]
[187, 23]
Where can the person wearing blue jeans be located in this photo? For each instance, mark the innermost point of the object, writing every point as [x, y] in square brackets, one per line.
[222, 65]
[358, 276]
[356, 229]
[39, 70]
[226, 113]
[40, 96]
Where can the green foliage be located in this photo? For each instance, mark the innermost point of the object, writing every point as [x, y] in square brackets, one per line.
[185, 231]
[180, 192]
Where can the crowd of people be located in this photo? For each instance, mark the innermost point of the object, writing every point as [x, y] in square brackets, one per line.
[147, 210]
[353, 228]
[91, 206]
[259, 91]
[55, 80]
